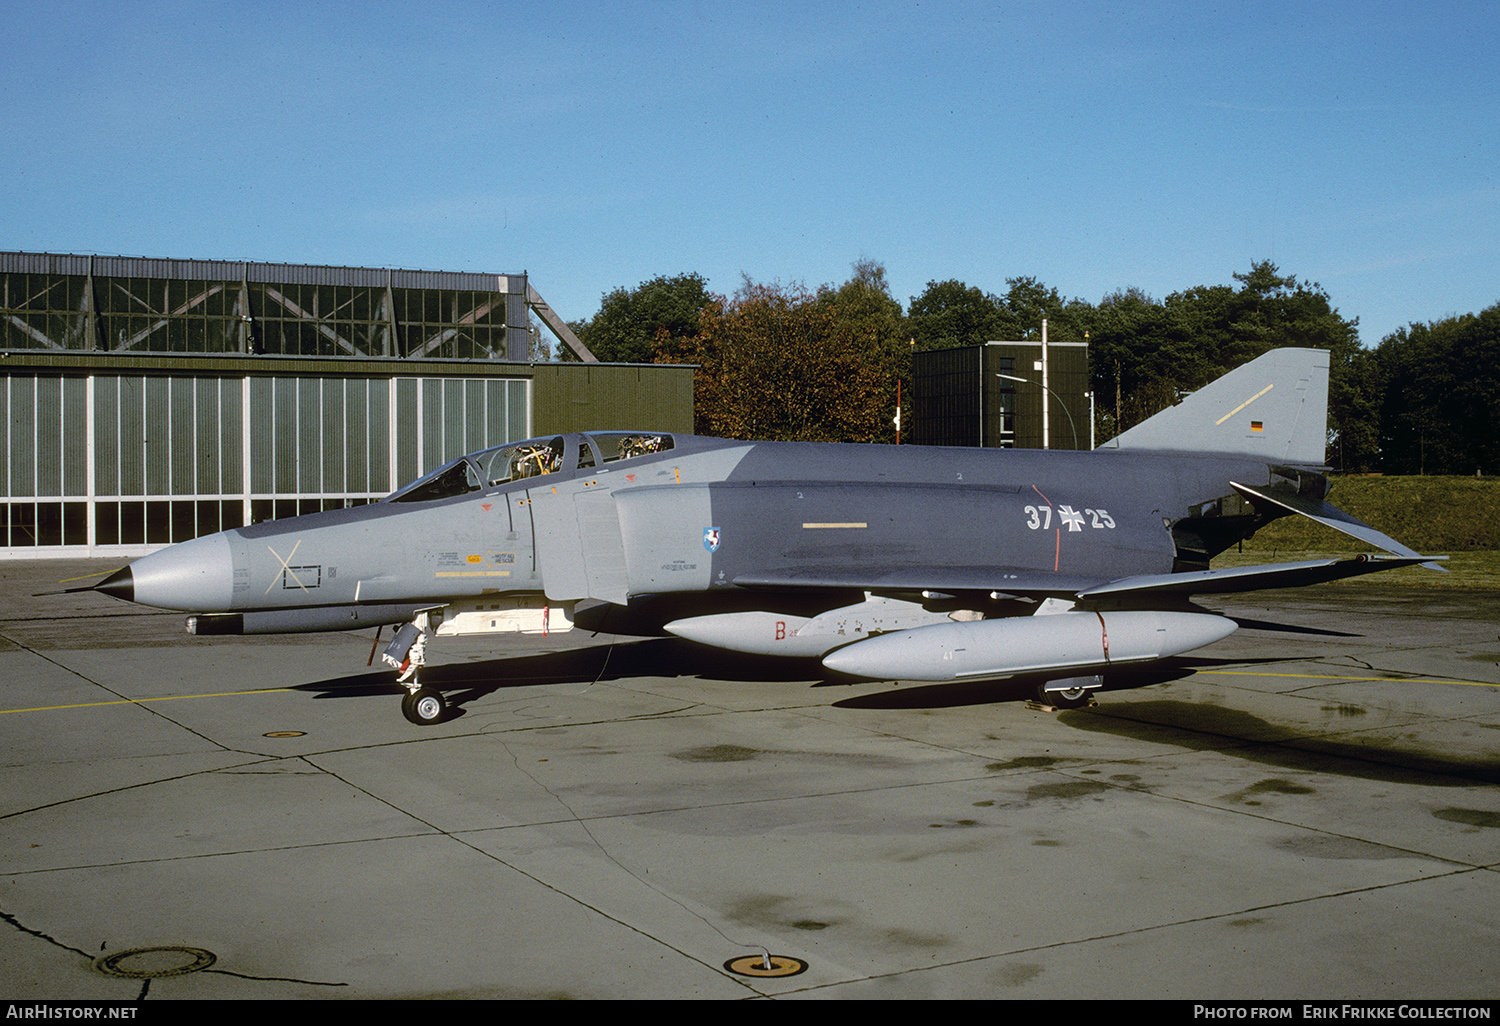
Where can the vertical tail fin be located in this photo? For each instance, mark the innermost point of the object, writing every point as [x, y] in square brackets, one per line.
[1274, 407]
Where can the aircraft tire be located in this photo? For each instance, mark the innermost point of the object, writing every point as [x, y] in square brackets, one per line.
[424, 706]
[1073, 698]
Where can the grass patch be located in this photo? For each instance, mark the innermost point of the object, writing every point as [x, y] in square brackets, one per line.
[1454, 516]
[1431, 514]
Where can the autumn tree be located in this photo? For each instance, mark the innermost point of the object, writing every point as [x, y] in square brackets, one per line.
[870, 323]
[784, 363]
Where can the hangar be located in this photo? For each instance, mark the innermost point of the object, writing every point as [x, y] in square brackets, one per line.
[145, 402]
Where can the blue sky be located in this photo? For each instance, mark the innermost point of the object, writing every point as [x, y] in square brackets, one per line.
[1093, 146]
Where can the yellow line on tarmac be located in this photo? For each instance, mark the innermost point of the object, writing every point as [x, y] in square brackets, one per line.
[70, 580]
[1325, 676]
[142, 701]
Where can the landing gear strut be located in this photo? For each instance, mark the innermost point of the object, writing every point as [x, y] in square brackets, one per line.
[407, 652]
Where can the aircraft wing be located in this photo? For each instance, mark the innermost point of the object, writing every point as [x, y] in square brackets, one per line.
[1248, 578]
[1036, 583]
[951, 579]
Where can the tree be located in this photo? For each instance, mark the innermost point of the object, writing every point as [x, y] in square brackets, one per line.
[1132, 354]
[539, 346]
[1150, 354]
[629, 322]
[783, 363]
[1355, 390]
[1440, 383]
[950, 314]
[870, 324]
[863, 305]
[1025, 305]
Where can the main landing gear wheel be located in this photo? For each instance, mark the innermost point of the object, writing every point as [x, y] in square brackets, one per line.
[1072, 698]
[424, 706]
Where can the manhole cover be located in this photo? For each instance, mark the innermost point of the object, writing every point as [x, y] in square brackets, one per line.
[286, 733]
[766, 965]
[149, 963]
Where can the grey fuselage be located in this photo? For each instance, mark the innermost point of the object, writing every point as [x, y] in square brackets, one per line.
[714, 518]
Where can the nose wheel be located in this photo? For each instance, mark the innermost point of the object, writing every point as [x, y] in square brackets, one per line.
[424, 706]
[407, 653]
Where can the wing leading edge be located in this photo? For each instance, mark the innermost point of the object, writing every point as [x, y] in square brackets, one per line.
[1016, 582]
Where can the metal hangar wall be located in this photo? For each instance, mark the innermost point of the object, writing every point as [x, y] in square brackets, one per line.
[144, 402]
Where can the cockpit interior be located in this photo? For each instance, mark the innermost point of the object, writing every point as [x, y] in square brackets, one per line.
[535, 457]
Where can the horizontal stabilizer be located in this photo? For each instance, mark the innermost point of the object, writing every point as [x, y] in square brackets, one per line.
[1329, 516]
[1248, 578]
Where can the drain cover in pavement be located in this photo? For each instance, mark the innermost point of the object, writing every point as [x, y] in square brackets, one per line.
[149, 963]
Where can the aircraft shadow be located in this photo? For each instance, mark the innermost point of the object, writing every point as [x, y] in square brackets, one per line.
[658, 657]
[1287, 628]
[1010, 689]
[466, 682]
[1197, 726]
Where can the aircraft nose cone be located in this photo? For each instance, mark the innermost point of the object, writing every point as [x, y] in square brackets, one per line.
[120, 585]
[196, 576]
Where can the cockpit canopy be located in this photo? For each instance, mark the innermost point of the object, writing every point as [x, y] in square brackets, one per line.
[534, 457]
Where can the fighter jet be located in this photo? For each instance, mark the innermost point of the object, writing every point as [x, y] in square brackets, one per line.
[884, 562]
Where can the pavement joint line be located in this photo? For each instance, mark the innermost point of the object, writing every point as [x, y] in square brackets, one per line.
[1144, 928]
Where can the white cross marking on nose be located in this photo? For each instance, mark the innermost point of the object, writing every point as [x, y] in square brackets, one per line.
[285, 568]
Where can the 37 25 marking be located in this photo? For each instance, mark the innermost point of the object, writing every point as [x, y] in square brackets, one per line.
[1039, 518]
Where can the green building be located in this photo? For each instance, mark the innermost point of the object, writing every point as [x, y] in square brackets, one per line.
[1001, 396]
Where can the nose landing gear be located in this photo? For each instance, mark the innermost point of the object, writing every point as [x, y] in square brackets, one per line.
[407, 653]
